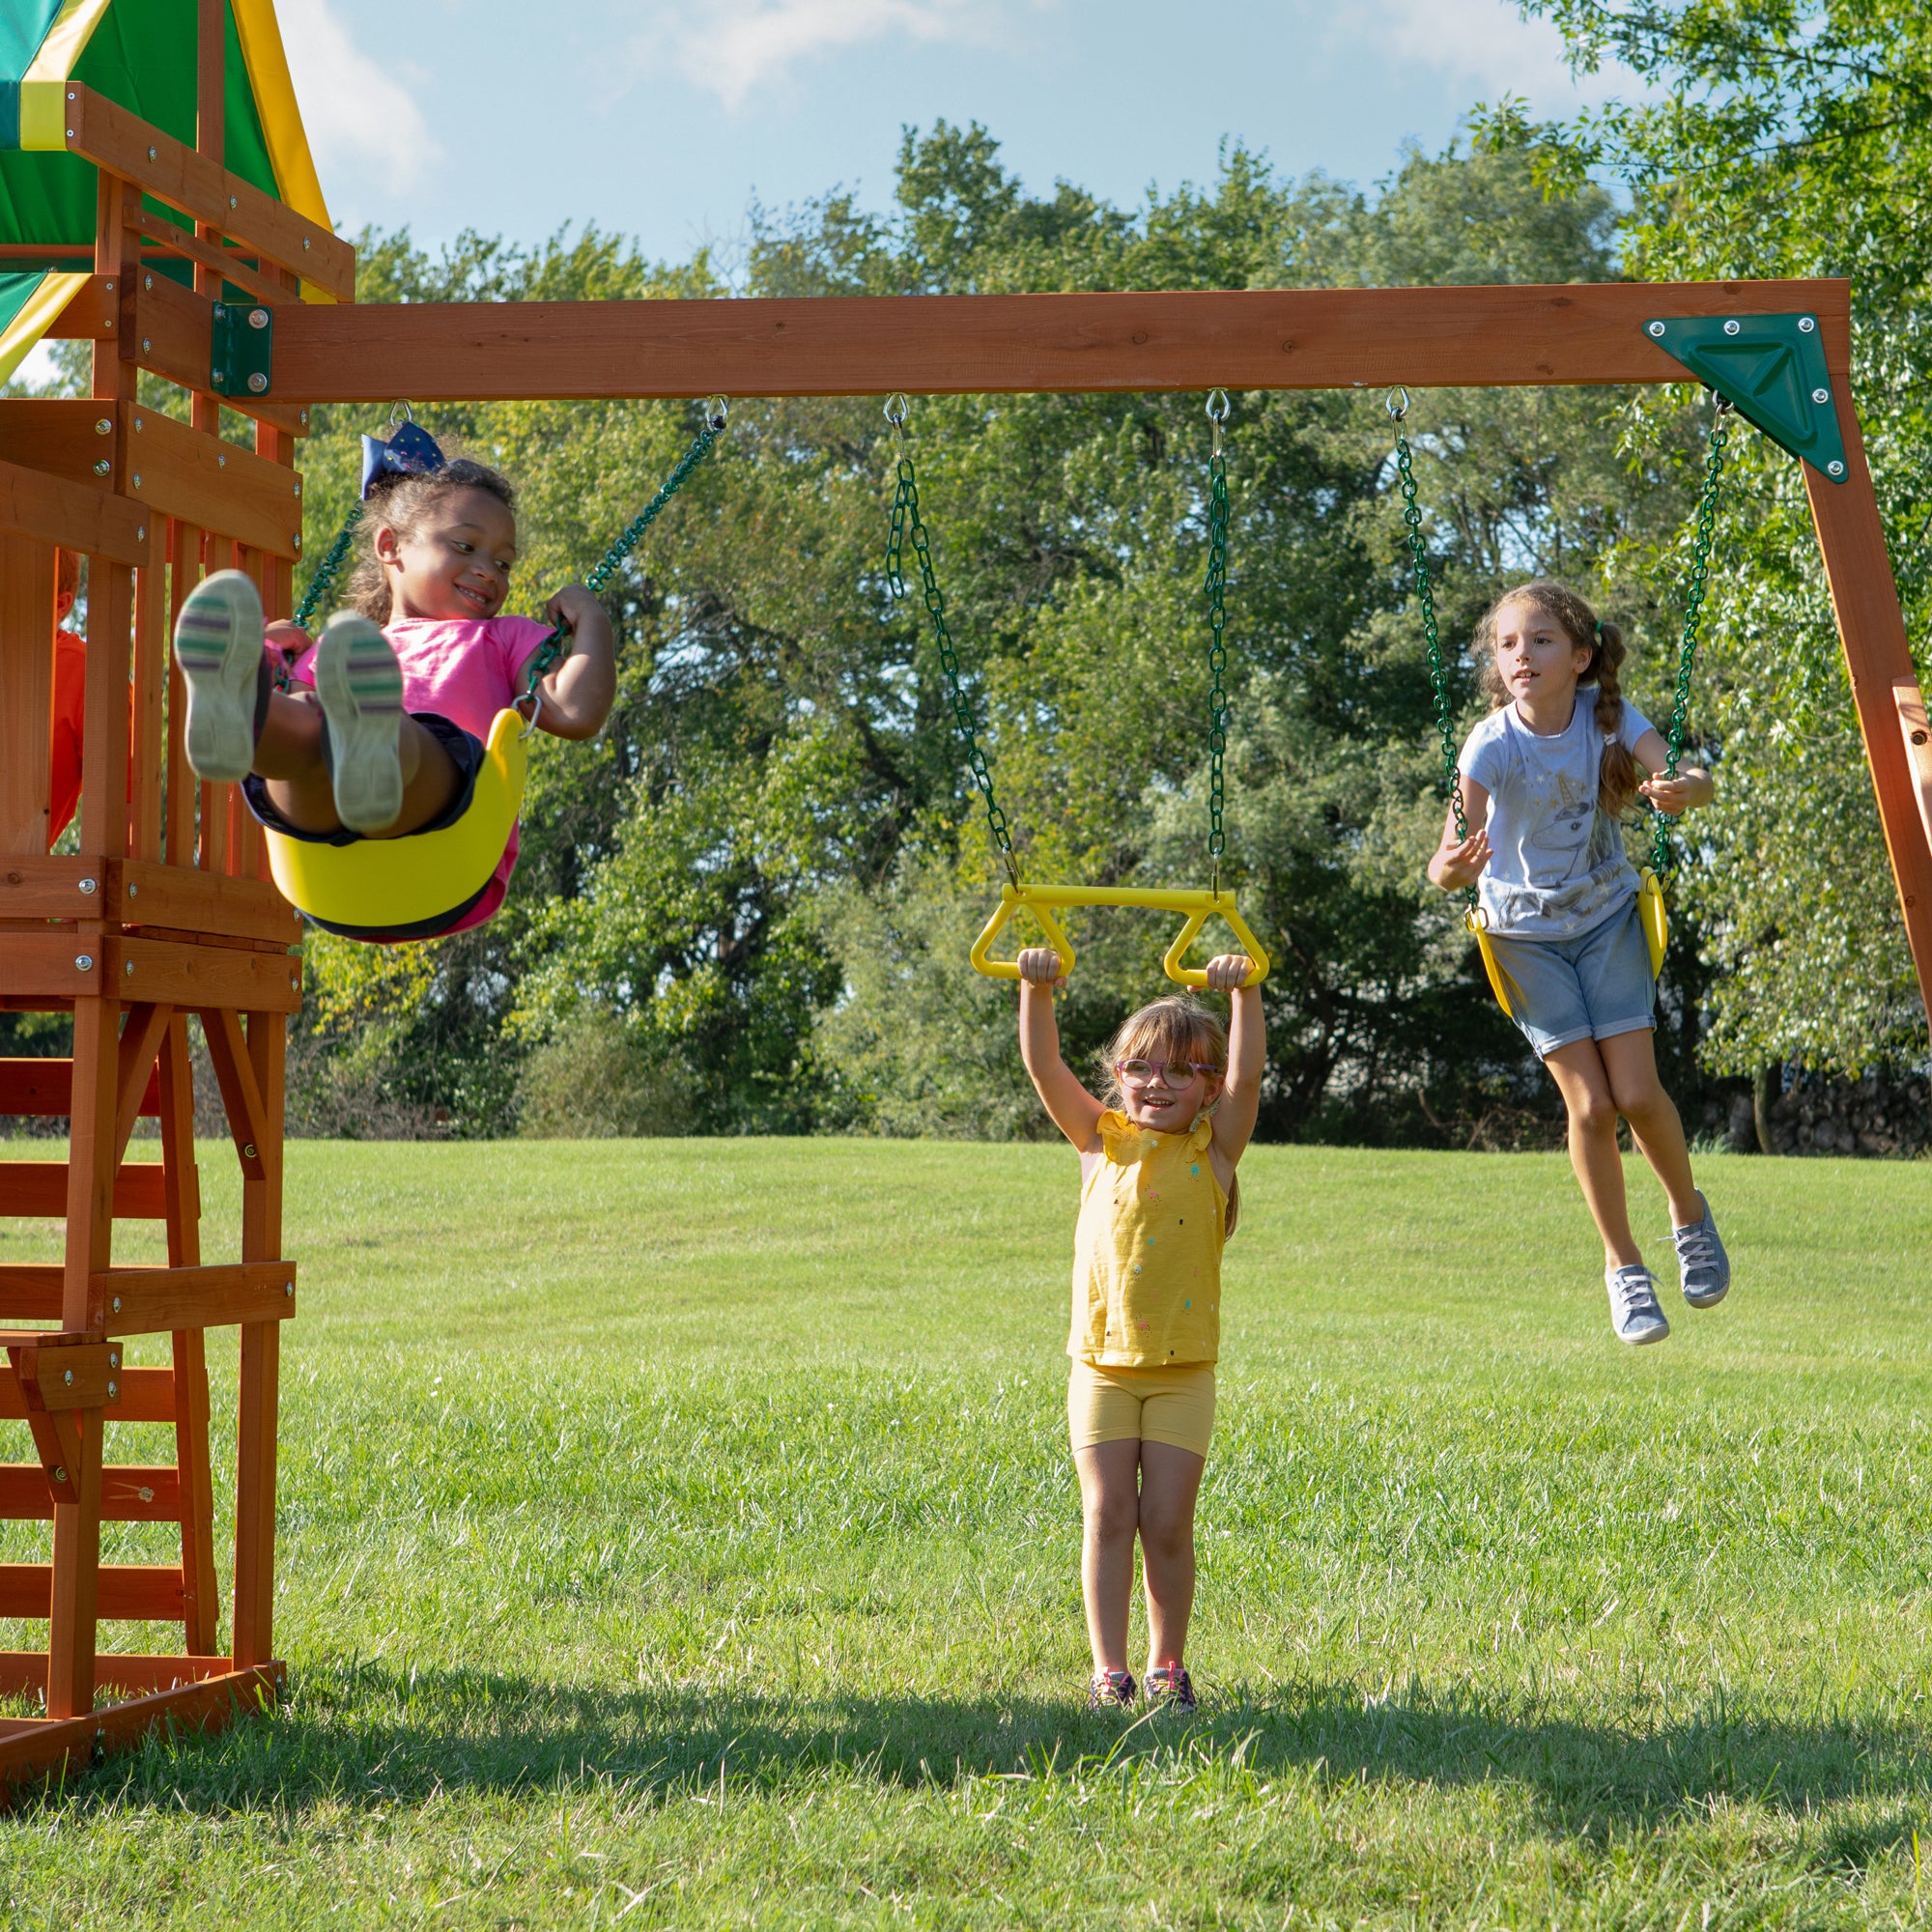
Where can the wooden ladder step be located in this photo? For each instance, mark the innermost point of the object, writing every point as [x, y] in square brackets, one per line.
[130, 1493]
[37, 1189]
[128, 1592]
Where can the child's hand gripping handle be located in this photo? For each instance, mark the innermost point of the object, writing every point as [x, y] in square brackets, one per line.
[1014, 899]
[1220, 906]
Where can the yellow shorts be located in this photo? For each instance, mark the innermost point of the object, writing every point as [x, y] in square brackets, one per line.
[1172, 1406]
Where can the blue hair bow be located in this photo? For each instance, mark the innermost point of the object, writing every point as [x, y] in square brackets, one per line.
[410, 451]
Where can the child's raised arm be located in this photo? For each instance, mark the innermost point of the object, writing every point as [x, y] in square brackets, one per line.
[576, 697]
[1247, 1055]
[1068, 1105]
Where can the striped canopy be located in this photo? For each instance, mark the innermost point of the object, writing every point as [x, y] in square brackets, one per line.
[140, 54]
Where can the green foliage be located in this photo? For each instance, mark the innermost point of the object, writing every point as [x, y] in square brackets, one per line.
[1782, 137]
[764, 871]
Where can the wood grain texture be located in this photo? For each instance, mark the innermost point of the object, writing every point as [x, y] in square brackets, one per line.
[152, 1301]
[27, 678]
[37, 1190]
[1052, 344]
[121, 143]
[59, 509]
[1871, 629]
[37, 1751]
[128, 1592]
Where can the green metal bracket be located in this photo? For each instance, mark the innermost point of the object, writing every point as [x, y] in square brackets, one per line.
[1771, 369]
[240, 349]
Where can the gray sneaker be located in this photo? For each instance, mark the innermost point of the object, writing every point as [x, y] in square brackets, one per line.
[1702, 1263]
[1634, 1311]
[360, 686]
[219, 647]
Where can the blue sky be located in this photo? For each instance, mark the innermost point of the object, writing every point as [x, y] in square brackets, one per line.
[663, 118]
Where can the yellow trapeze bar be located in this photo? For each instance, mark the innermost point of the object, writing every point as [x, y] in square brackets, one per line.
[1041, 900]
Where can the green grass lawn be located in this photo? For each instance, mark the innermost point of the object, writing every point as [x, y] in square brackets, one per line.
[680, 1533]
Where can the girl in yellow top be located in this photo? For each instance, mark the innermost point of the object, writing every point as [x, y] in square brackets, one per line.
[1158, 1198]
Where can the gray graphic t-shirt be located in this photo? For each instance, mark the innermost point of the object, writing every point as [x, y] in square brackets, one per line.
[1558, 869]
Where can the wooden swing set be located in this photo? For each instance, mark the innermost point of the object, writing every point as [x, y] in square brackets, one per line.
[210, 265]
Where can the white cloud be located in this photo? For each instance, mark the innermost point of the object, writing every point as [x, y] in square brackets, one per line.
[363, 123]
[1481, 44]
[732, 48]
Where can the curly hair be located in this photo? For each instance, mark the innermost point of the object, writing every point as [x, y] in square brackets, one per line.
[1605, 642]
[1174, 1028]
[400, 503]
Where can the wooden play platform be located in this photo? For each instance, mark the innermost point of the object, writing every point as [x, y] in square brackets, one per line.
[156, 199]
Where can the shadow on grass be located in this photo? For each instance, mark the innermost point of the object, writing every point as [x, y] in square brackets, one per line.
[365, 1734]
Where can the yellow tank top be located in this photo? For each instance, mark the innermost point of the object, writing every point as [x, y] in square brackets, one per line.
[1146, 1253]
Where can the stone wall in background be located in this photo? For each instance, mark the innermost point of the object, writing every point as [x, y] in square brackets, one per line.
[1874, 1116]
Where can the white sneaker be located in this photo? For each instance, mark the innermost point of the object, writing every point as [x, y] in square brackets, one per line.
[360, 686]
[219, 647]
[1634, 1314]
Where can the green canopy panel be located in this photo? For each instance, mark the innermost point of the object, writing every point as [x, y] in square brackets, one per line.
[141, 55]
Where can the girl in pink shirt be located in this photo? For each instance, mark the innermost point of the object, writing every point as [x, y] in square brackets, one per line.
[382, 736]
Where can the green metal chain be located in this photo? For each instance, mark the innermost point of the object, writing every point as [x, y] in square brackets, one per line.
[1439, 669]
[549, 653]
[1217, 642]
[1693, 613]
[907, 523]
[325, 571]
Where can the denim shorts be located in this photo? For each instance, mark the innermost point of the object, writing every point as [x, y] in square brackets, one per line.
[1590, 987]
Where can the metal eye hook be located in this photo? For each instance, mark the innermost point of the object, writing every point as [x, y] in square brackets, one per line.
[895, 408]
[1397, 410]
[401, 413]
[716, 412]
[1218, 409]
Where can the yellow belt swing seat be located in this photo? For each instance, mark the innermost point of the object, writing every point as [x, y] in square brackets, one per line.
[411, 885]
[1042, 901]
[1653, 914]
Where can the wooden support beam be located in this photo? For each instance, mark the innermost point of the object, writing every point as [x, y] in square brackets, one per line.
[121, 143]
[1871, 629]
[37, 1190]
[171, 332]
[1525, 335]
[152, 1301]
[27, 676]
[169, 972]
[130, 1592]
[137, 1074]
[93, 312]
[35, 1750]
[55, 510]
[130, 1493]
[24, 1672]
[43, 1089]
[141, 894]
[147, 1395]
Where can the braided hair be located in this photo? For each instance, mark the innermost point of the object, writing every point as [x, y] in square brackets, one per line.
[1605, 642]
[400, 502]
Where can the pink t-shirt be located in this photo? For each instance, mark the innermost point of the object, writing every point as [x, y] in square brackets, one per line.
[465, 669]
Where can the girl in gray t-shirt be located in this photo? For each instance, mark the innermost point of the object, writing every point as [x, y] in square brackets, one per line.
[1545, 779]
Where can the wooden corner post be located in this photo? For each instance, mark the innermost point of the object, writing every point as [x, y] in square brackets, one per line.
[158, 919]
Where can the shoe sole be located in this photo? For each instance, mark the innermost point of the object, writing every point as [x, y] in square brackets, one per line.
[360, 686]
[1656, 1334]
[1707, 1300]
[219, 647]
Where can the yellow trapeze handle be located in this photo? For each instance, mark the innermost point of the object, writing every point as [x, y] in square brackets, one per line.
[386, 885]
[1501, 984]
[1649, 909]
[1014, 900]
[1041, 900]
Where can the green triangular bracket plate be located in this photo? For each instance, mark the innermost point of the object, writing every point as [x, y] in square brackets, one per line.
[1771, 369]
